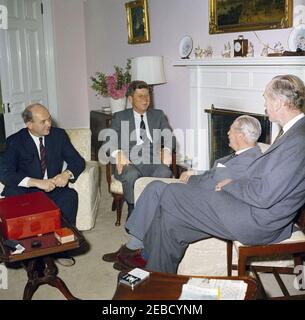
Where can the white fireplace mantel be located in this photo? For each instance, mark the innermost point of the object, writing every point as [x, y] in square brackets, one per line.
[230, 83]
[244, 62]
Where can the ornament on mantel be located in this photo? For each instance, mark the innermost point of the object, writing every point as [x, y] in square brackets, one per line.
[278, 47]
[265, 50]
[250, 52]
[206, 53]
[226, 52]
[199, 52]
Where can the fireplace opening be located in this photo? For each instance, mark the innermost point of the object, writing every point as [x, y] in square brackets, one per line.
[220, 121]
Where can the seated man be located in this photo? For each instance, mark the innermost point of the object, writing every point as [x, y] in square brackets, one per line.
[140, 156]
[258, 208]
[243, 135]
[34, 158]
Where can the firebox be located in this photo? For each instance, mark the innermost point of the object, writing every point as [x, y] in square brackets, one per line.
[220, 121]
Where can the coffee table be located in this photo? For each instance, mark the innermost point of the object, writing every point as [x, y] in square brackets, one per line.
[166, 286]
[39, 262]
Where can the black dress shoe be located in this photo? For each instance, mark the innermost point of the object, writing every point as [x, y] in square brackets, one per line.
[112, 257]
[121, 267]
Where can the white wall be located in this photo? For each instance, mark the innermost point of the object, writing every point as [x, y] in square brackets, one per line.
[170, 20]
[91, 35]
[71, 63]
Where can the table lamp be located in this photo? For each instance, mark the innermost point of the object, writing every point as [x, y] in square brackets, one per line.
[149, 69]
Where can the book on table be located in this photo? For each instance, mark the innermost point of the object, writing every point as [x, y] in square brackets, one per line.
[64, 235]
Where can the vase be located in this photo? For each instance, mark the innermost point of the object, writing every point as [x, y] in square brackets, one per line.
[117, 104]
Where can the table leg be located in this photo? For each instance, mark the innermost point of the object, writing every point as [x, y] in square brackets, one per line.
[41, 271]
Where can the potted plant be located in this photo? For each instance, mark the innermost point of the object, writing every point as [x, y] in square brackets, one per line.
[113, 86]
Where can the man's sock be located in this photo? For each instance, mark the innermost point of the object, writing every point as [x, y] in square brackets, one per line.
[134, 243]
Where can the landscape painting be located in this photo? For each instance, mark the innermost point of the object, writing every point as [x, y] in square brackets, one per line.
[240, 15]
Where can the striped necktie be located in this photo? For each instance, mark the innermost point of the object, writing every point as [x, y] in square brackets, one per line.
[43, 160]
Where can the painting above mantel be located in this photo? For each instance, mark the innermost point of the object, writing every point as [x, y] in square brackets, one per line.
[240, 15]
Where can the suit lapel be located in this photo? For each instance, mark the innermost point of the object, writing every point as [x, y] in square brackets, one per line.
[32, 149]
[284, 137]
[150, 121]
[132, 125]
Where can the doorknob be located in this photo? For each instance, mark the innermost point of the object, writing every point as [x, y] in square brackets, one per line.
[8, 107]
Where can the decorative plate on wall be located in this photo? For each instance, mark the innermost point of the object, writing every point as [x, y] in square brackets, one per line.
[297, 38]
[185, 47]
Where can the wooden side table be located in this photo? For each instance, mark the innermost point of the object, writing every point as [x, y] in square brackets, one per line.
[98, 120]
[39, 262]
[166, 286]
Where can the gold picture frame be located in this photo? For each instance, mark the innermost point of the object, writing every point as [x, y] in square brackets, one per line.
[137, 22]
[237, 15]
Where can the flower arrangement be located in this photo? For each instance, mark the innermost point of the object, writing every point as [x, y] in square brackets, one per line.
[115, 85]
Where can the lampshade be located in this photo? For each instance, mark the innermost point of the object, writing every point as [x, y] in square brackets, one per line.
[149, 69]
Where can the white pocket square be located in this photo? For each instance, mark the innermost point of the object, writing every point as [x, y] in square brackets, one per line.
[220, 165]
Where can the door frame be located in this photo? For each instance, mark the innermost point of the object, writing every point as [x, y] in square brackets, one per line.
[48, 32]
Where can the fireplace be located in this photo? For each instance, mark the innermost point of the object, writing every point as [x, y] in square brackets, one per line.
[220, 121]
[235, 85]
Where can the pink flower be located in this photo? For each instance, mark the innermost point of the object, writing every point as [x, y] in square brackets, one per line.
[111, 86]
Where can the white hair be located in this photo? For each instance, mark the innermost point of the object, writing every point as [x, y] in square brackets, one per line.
[249, 126]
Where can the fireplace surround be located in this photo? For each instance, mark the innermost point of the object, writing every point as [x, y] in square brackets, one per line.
[235, 84]
[220, 121]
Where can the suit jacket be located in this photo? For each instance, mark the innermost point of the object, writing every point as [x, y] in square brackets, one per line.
[127, 138]
[233, 168]
[260, 207]
[21, 159]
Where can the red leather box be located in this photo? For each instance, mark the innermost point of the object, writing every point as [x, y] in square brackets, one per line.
[28, 215]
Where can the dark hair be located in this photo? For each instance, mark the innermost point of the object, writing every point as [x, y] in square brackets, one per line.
[134, 85]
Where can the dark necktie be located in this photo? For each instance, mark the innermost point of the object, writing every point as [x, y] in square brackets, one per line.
[279, 134]
[231, 156]
[142, 129]
[43, 160]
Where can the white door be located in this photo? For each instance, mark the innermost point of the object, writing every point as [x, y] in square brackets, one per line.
[22, 61]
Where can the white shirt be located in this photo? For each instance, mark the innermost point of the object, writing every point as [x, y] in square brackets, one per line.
[137, 120]
[24, 181]
[290, 123]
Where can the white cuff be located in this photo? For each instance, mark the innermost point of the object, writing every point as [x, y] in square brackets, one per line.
[24, 182]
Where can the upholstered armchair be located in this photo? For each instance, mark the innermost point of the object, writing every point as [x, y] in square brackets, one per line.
[88, 183]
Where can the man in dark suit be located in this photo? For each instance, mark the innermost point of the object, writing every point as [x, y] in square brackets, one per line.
[34, 159]
[243, 135]
[139, 131]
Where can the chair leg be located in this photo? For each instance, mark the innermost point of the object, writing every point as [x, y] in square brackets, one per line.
[113, 207]
[229, 257]
[119, 200]
[298, 259]
[242, 260]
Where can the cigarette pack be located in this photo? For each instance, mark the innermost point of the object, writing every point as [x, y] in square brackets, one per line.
[134, 277]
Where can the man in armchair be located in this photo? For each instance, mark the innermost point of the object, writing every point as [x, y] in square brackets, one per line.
[33, 161]
[243, 136]
[138, 153]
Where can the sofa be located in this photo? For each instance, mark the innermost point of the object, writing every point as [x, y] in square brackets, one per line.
[88, 183]
[208, 257]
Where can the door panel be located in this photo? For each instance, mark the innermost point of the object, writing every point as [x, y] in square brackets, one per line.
[22, 61]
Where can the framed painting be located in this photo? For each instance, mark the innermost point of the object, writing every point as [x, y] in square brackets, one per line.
[240, 15]
[137, 21]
